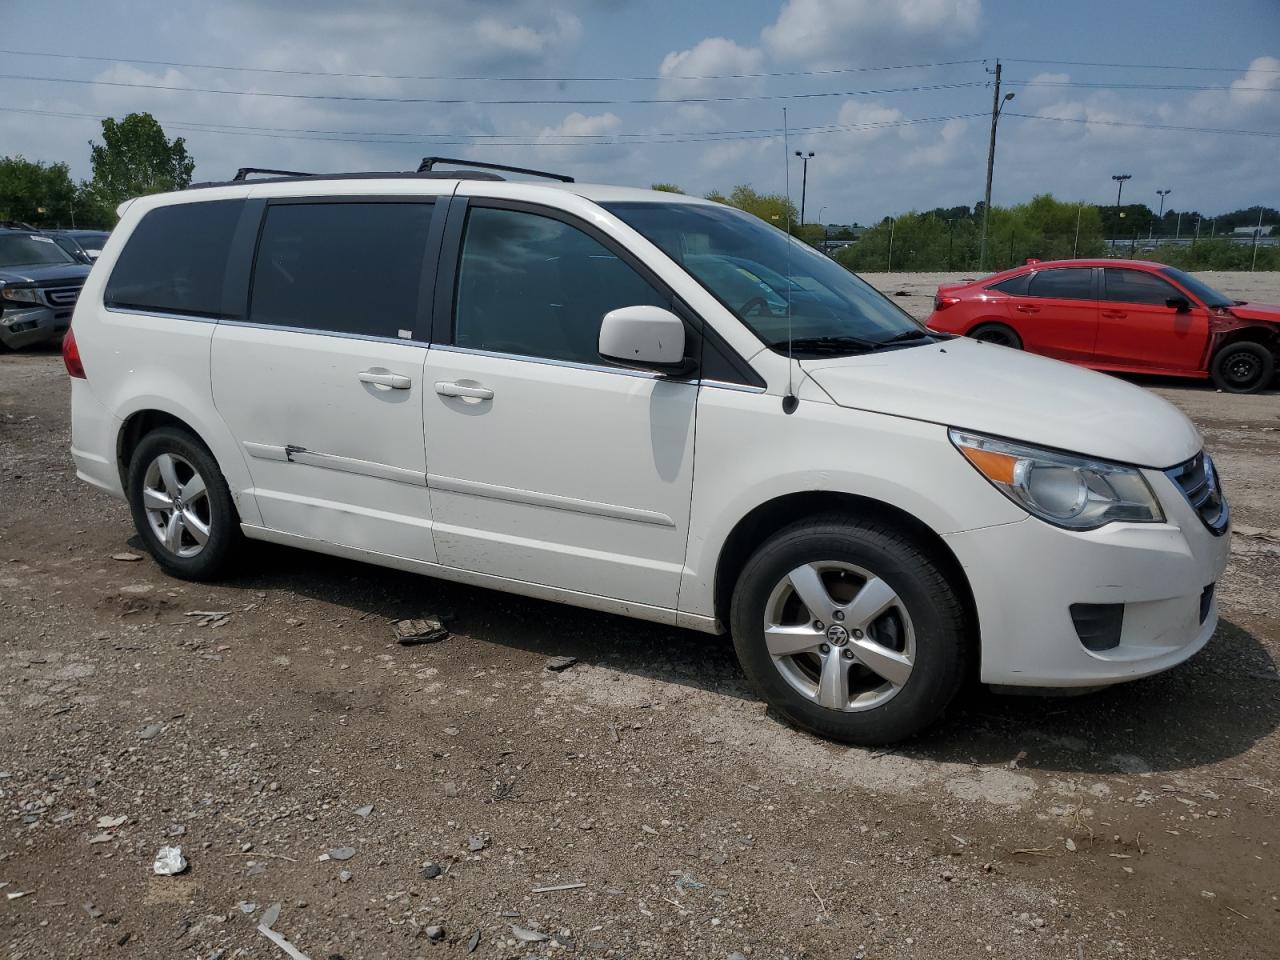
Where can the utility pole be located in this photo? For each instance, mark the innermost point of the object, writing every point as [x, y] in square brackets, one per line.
[1257, 234]
[1177, 234]
[1160, 215]
[1197, 234]
[892, 223]
[951, 239]
[996, 105]
[804, 179]
[1119, 178]
[1075, 247]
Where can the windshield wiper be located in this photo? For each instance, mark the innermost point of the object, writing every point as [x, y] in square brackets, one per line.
[832, 345]
[904, 336]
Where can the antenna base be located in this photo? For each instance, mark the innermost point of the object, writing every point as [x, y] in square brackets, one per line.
[789, 403]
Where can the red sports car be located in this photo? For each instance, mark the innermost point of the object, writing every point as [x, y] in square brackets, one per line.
[1129, 316]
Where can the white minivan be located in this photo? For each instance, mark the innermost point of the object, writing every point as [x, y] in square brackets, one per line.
[642, 403]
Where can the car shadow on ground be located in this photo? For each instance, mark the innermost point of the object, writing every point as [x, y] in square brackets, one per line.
[1210, 709]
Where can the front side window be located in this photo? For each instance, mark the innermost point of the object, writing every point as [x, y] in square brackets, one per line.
[1068, 283]
[1203, 292]
[175, 259]
[23, 250]
[537, 287]
[1135, 286]
[351, 268]
[781, 289]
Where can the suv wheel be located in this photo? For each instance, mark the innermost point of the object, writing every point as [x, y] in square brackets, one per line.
[1242, 367]
[182, 506]
[850, 630]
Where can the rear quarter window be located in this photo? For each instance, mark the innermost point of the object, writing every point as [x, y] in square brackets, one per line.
[174, 260]
[1014, 286]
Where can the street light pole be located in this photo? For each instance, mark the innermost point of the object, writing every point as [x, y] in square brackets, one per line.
[1160, 215]
[804, 179]
[996, 105]
[1119, 178]
[951, 239]
[1257, 234]
[892, 223]
[1177, 233]
[1075, 247]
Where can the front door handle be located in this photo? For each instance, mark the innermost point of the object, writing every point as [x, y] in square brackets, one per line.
[382, 379]
[1027, 308]
[1114, 314]
[447, 388]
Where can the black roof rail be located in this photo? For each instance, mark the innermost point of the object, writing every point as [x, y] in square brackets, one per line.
[244, 173]
[429, 162]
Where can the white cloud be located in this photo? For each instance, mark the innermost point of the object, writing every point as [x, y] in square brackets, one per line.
[712, 57]
[851, 30]
[581, 125]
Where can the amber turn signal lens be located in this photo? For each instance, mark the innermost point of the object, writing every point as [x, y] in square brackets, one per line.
[997, 467]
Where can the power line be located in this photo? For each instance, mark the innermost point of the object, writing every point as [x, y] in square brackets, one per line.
[435, 77]
[493, 139]
[1140, 86]
[1145, 125]
[493, 102]
[1137, 66]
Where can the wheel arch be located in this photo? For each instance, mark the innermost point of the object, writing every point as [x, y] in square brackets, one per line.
[773, 515]
[148, 414]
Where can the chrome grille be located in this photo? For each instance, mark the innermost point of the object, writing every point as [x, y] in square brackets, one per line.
[1198, 481]
[61, 296]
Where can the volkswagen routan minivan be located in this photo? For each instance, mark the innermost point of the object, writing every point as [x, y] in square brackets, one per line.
[642, 403]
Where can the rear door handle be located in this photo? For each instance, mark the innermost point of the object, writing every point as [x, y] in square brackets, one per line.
[447, 388]
[1114, 314]
[393, 380]
[1026, 308]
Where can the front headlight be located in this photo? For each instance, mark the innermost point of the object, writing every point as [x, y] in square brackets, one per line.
[20, 294]
[1068, 491]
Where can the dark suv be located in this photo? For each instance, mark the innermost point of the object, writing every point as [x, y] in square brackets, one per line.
[39, 284]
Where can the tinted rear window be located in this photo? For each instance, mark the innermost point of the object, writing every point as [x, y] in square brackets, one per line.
[175, 258]
[354, 268]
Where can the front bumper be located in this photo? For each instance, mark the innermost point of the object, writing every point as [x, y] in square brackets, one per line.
[1026, 575]
[24, 326]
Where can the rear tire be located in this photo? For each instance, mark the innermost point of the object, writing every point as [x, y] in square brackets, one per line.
[182, 506]
[1242, 367]
[997, 333]
[883, 656]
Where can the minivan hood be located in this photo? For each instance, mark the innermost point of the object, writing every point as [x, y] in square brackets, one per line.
[989, 389]
[43, 272]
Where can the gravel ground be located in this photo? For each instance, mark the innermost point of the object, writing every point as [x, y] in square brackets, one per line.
[409, 802]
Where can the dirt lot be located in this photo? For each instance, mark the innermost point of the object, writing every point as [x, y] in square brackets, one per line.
[1138, 822]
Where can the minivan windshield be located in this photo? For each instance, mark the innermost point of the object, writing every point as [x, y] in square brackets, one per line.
[762, 276]
[22, 249]
[1203, 292]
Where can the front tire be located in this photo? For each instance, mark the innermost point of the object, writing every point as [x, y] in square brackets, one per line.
[850, 630]
[182, 506]
[1242, 367]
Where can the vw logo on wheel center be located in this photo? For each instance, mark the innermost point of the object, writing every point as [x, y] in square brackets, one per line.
[838, 635]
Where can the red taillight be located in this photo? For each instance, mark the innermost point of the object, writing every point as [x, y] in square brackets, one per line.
[941, 303]
[71, 356]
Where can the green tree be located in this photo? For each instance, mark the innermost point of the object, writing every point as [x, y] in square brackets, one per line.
[1216, 254]
[772, 208]
[666, 188]
[35, 192]
[135, 158]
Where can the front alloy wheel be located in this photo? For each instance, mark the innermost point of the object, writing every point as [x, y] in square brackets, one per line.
[840, 636]
[852, 628]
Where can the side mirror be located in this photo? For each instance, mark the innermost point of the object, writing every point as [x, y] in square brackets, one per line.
[648, 338]
[1178, 304]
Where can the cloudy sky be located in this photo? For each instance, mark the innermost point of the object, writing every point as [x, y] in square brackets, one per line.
[687, 91]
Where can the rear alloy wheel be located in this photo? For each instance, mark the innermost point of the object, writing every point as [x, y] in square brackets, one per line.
[1242, 367]
[850, 630]
[182, 506]
[998, 334]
